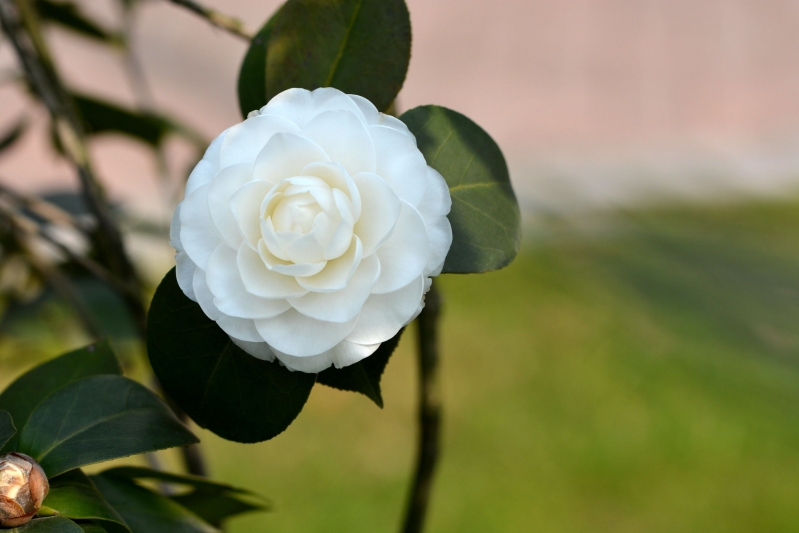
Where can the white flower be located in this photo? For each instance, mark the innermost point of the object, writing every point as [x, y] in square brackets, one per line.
[310, 231]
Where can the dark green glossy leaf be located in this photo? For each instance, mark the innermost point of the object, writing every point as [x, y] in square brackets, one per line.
[68, 15]
[211, 500]
[217, 384]
[486, 230]
[24, 394]
[252, 75]
[145, 511]
[54, 524]
[8, 138]
[7, 429]
[73, 495]
[97, 419]
[364, 376]
[358, 46]
[91, 527]
[100, 116]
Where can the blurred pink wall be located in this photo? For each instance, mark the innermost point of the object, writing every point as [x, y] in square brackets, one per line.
[586, 95]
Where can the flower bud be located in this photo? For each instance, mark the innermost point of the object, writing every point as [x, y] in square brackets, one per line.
[23, 487]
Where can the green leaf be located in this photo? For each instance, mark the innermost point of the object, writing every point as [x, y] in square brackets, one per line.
[73, 495]
[357, 46]
[211, 500]
[7, 429]
[54, 524]
[8, 138]
[485, 219]
[100, 116]
[252, 75]
[148, 512]
[97, 419]
[91, 527]
[24, 394]
[364, 376]
[69, 16]
[217, 384]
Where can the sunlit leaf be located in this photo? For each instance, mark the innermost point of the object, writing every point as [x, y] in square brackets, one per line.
[364, 376]
[486, 230]
[24, 394]
[145, 511]
[73, 495]
[96, 419]
[217, 384]
[358, 46]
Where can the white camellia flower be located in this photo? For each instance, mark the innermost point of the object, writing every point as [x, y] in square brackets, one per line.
[310, 231]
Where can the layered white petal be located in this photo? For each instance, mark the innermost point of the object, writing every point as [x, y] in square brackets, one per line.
[383, 315]
[296, 334]
[198, 235]
[379, 212]
[184, 270]
[344, 138]
[245, 204]
[400, 163]
[259, 350]
[312, 364]
[342, 305]
[404, 255]
[436, 200]
[226, 182]
[439, 235]
[261, 281]
[337, 272]
[373, 118]
[244, 141]
[238, 328]
[284, 156]
[207, 168]
[300, 105]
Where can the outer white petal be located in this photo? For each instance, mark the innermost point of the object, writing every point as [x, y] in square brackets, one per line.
[245, 140]
[400, 163]
[208, 166]
[439, 234]
[301, 105]
[337, 272]
[404, 255]
[198, 235]
[312, 364]
[374, 118]
[348, 353]
[246, 207]
[285, 155]
[226, 182]
[344, 139]
[184, 270]
[383, 315]
[174, 230]
[379, 212]
[259, 350]
[436, 200]
[239, 328]
[261, 281]
[230, 295]
[343, 305]
[295, 334]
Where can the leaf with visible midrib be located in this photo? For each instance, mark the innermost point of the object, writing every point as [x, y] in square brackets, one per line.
[96, 419]
[215, 382]
[24, 394]
[357, 46]
[7, 429]
[73, 495]
[485, 218]
[364, 376]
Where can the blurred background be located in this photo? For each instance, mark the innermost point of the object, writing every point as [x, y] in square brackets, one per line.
[636, 368]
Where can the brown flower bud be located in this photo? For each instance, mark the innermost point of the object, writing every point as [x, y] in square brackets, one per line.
[23, 487]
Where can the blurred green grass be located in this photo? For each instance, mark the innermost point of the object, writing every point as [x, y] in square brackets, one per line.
[634, 371]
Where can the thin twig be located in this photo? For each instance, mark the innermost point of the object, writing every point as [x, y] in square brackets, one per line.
[429, 414]
[20, 24]
[220, 20]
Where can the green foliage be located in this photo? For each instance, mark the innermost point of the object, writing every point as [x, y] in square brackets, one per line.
[217, 384]
[69, 16]
[24, 394]
[357, 46]
[73, 495]
[97, 419]
[53, 524]
[212, 501]
[7, 429]
[364, 376]
[145, 511]
[485, 218]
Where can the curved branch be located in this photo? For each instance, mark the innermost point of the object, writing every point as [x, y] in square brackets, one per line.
[220, 20]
